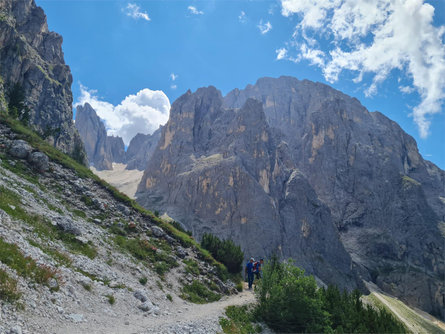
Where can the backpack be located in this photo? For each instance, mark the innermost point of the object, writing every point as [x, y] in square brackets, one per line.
[255, 266]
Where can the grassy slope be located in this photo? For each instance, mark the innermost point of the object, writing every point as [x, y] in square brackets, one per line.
[413, 320]
[54, 154]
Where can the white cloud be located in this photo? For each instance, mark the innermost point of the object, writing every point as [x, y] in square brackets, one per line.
[173, 87]
[407, 89]
[281, 53]
[135, 12]
[242, 17]
[374, 38]
[173, 77]
[139, 113]
[193, 10]
[264, 27]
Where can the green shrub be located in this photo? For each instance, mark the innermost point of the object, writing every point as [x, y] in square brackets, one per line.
[169, 297]
[240, 320]
[198, 293]
[111, 299]
[289, 301]
[239, 286]
[143, 280]
[8, 288]
[224, 251]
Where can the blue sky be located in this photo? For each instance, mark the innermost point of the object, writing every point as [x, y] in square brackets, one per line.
[116, 49]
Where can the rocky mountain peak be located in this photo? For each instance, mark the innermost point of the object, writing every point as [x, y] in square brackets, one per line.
[102, 150]
[31, 59]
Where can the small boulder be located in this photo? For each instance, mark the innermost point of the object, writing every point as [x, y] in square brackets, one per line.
[157, 231]
[67, 225]
[146, 306]
[181, 252]
[39, 161]
[20, 149]
[139, 294]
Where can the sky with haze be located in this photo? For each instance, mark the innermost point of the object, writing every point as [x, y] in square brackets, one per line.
[131, 59]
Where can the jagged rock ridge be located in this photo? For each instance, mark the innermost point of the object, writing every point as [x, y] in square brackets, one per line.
[102, 150]
[31, 56]
[305, 167]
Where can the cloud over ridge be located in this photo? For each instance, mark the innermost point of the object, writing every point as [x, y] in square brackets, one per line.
[374, 38]
[142, 112]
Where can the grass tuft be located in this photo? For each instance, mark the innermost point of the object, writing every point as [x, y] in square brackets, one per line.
[198, 293]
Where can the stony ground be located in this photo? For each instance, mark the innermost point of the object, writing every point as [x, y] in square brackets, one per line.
[101, 293]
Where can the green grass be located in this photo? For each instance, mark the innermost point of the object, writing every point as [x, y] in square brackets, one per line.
[198, 293]
[8, 288]
[79, 213]
[26, 267]
[415, 321]
[23, 171]
[10, 203]
[59, 257]
[169, 297]
[191, 267]
[240, 320]
[111, 299]
[145, 251]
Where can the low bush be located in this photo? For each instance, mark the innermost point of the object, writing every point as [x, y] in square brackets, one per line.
[191, 267]
[198, 293]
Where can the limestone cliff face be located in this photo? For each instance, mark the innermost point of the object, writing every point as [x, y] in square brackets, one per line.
[141, 149]
[386, 201]
[297, 166]
[227, 172]
[31, 56]
[102, 150]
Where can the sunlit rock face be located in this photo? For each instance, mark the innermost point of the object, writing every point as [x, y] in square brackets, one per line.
[102, 150]
[298, 168]
[31, 57]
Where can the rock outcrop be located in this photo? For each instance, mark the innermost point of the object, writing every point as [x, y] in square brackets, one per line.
[102, 150]
[305, 170]
[141, 149]
[31, 59]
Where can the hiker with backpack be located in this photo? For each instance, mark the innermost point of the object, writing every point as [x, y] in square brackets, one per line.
[257, 268]
[249, 272]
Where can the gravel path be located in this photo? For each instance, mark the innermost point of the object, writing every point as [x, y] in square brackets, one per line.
[183, 318]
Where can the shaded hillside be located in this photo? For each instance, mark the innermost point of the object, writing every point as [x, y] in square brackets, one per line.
[301, 169]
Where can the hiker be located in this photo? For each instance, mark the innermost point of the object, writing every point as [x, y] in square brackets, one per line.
[257, 268]
[249, 272]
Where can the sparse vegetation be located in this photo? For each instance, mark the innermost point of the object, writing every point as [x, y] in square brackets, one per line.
[240, 320]
[111, 299]
[11, 204]
[191, 266]
[8, 288]
[169, 297]
[143, 280]
[198, 293]
[25, 266]
[145, 251]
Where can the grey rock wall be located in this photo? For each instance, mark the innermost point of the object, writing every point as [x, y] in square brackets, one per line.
[301, 169]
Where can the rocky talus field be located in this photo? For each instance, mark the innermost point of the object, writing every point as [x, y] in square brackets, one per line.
[77, 258]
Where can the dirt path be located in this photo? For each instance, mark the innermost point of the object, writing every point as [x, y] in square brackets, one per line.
[181, 317]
